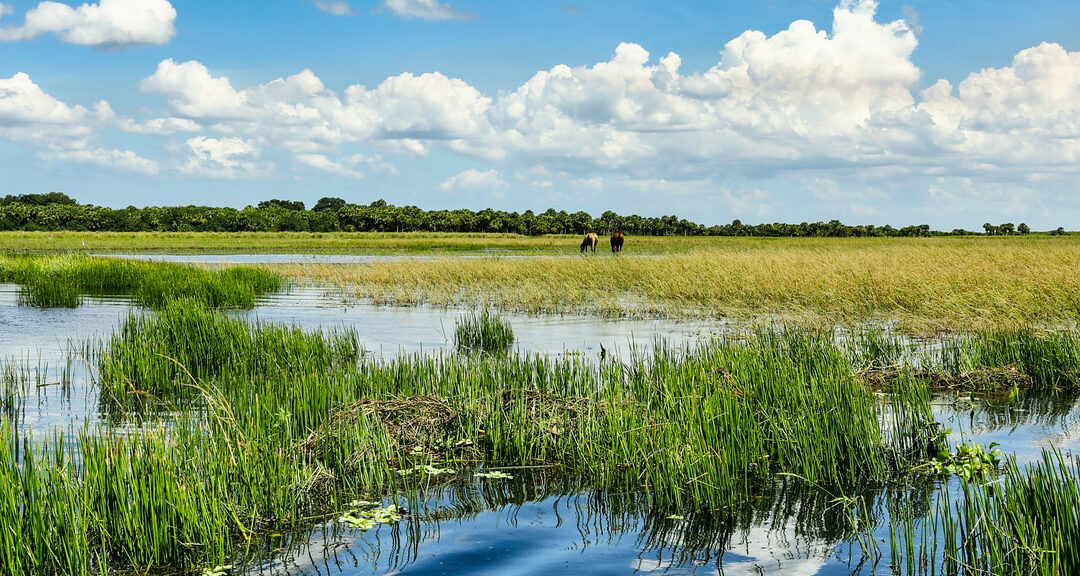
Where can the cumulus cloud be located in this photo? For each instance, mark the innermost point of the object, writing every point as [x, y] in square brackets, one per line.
[475, 180]
[62, 132]
[109, 23]
[801, 102]
[195, 93]
[353, 166]
[125, 160]
[337, 8]
[223, 158]
[423, 10]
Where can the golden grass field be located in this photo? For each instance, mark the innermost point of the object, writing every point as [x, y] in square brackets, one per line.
[923, 284]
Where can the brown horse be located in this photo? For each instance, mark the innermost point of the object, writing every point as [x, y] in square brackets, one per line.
[617, 242]
[590, 242]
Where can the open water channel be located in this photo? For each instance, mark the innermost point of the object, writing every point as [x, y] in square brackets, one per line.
[537, 522]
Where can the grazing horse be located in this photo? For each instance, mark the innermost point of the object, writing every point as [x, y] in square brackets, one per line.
[590, 242]
[617, 242]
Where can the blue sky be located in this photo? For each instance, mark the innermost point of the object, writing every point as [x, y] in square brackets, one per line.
[949, 113]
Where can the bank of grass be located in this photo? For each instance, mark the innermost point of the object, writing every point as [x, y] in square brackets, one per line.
[63, 280]
[924, 285]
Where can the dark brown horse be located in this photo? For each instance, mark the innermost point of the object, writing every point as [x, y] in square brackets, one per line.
[617, 242]
[590, 242]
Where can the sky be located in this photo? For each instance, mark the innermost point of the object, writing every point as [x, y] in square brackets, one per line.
[947, 113]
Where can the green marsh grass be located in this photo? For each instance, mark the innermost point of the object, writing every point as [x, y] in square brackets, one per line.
[275, 429]
[1021, 523]
[62, 281]
[484, 331]
[164, 356]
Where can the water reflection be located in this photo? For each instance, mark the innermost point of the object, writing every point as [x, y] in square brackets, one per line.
[541, 523]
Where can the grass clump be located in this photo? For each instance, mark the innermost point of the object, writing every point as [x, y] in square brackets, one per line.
[62, 281]
[483, 332]
[165, 355]
[1023, 523]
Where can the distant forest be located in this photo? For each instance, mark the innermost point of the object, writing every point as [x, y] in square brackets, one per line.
[57, 211]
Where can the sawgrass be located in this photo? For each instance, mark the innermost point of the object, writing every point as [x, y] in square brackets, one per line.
[923, 285]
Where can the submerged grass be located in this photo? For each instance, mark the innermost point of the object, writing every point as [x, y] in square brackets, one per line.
[62, 281]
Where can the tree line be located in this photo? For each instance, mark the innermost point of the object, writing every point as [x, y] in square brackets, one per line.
[57, 211]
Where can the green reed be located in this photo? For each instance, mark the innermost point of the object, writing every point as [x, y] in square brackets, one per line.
[485, 331]
[166, 354]
[1022, 523]
[62, 281]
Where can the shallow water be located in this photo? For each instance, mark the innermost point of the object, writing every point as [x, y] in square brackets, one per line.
[48, 341]
[532, 525]
[499, 527]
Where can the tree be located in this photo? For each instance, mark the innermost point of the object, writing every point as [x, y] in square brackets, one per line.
[328, 204]
[1007, 228]
[39, 199]
[286, 204]
[1023, 229]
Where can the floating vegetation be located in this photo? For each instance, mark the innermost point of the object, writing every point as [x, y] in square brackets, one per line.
[365, 515]
[426, 469]
[975, 380]
[494, 475]
[969, 461]
[483, 332]
[63, 281]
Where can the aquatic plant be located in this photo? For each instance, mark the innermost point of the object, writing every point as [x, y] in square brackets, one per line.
[1021, 524]
[62, 281]
[165, 355]
[483, 332]
[271, 428]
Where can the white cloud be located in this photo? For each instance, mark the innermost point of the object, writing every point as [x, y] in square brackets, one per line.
[24, 102]
[337, 8]
[109, 23]
[62, 132]
[475, 180]
[223, 158]
[423, 10]
[797, 103]
[124, 160]
[195, 93]
[352, 166]
[430, 106]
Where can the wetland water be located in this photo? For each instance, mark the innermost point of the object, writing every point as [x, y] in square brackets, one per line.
[537, 522]
[40, 338]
